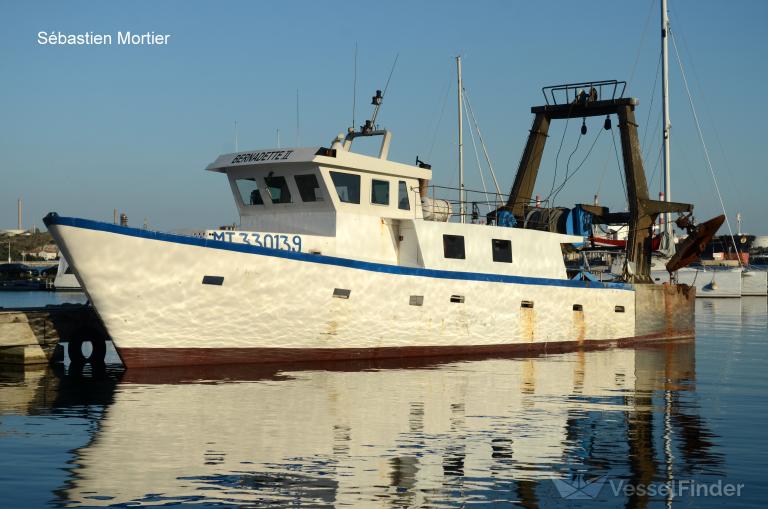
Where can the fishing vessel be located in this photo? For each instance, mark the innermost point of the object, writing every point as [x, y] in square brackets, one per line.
[341, 255]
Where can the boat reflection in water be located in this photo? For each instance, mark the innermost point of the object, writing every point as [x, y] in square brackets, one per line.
[377, 434]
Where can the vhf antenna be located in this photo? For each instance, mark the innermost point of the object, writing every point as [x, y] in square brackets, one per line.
[377, 100]
[354, 90]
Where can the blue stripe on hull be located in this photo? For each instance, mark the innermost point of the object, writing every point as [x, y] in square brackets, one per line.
[87, 224]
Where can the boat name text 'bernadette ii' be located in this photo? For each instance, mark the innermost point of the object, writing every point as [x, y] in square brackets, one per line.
[255, 157]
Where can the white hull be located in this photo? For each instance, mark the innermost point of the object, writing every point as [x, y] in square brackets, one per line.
[754, 283]
[151, 299]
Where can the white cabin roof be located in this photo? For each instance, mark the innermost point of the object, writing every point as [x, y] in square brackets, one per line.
[342, 159]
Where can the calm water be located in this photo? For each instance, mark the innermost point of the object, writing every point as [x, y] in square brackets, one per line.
[33, 299]
[439, 433]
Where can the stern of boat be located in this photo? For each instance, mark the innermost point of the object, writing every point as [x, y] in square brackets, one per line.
[665, 311]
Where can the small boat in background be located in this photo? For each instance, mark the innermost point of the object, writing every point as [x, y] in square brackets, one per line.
[20, 277]
[65, 277]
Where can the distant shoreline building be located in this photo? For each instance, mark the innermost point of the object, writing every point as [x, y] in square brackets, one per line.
[14, 232]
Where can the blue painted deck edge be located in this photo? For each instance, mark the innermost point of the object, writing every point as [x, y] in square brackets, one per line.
[53, 219]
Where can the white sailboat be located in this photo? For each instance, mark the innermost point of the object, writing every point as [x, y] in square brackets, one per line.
[709, 281]
[65, 277]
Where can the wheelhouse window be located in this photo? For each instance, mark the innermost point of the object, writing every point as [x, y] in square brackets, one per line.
[249, 191]
[309, 189]
[403, 202]
[502, 250]
[277, 187]
[453, 246]
[380, 192]
[347, 186]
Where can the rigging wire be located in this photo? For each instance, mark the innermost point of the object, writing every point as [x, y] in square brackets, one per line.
[440, 117]
[707, 112]
[703, 144]
[482, 142]
[642, 40]
[391, 71]
[656, 167]
[651, 148]
[477, 158]
[650, 106]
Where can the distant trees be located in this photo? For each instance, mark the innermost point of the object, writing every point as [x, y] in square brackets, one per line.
[28, 246]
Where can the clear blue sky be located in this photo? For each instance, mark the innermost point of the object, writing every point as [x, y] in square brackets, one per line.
[87, 129]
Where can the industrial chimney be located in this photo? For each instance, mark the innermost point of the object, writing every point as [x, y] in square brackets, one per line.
[19, 226]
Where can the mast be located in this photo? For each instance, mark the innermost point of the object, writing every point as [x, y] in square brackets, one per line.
[665, 108]
[461, 143]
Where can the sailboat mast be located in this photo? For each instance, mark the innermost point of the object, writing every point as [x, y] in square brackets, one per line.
[461, 142]
[665, 108]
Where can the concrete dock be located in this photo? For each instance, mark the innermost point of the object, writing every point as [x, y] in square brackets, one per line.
[31, 335]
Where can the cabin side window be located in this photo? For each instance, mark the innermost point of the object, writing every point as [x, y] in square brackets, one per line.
[249, 191]
[453, 246]
[277, 188]
[402, 196]
[502, 250]
[309, 189]
[347, 186]
[380, 192]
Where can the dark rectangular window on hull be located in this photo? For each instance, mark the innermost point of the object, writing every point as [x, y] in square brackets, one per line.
[502, 250]
[347, 186]
[309, 189]
[453, 246]
[278, 189]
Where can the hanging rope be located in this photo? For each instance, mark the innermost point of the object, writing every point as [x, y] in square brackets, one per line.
[603, 173]
[704, 145]
[557, 156]
[567, 169]
[569, 177]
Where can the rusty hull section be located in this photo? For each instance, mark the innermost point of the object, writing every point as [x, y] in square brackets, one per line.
[664, 311]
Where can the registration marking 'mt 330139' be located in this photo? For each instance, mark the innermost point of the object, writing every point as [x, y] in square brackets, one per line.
[258, 239]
